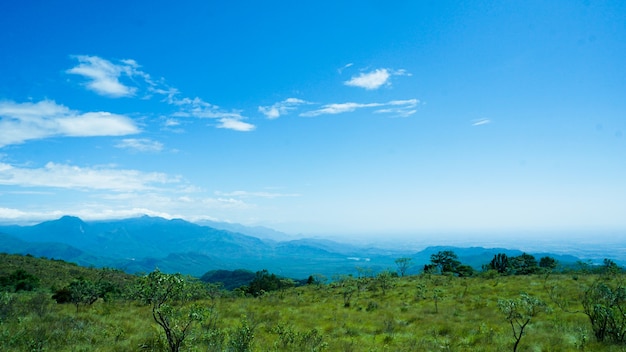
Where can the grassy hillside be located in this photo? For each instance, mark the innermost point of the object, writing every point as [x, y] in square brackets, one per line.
[54, 274]
[415, 313]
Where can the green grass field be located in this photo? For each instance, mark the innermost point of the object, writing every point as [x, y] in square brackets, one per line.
[415, 313]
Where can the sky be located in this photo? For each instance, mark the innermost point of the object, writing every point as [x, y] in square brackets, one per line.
[317, 117]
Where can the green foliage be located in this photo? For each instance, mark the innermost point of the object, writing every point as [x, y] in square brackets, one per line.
[7, 306]
[403, 265]
[53, 274]
[291, 340]
[79, 291]
[500, 263]
[445, 261]
[19, 280]
[229, 279]
[169, 295]
[242, 337]
[524, 264]
[519, 312]
[416, 313]
[265, 282]
[384, 279]
[548, 263]
[347, 287]
[605, 305]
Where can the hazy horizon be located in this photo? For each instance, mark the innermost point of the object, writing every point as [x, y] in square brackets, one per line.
[320, 119]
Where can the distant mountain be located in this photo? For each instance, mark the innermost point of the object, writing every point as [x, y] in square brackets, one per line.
[56, 250]
[145, 243]
[263, 233]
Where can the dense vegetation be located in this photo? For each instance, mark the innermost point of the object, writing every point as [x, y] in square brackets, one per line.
[512, 304]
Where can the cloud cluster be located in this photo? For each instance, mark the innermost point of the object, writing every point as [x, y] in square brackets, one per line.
[103, 76]
[367, 80]
[374, 79]
[126, 192]
[88, 178]
[140, 144]
[20, 122]
[104, 79]
[396, 107]
[281, 108]
[246, 194]
[198, 108]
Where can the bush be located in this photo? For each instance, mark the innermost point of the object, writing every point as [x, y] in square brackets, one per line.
[605, 307]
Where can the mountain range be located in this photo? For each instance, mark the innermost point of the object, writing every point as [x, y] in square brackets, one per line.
[142, 244]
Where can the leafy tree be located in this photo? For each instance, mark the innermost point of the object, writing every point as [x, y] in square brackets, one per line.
[348, 286]
[79, 291]
[609, 267]
[445, 261]
[266, 282]
[548, 263]
[606, 308]
[464, 270]
[524, 264]
[403, 265]
[429, 269]
[519, 312]
[500, 263]
[169, 296]
[384, 280]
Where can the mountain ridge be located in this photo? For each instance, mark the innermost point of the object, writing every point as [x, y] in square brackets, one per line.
[142, 244]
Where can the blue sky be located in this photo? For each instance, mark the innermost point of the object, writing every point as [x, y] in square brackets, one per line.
[325, 117]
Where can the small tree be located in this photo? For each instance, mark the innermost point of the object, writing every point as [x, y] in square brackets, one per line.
[348, 286]
[524, 264]
[606, 308]
[609, 267]
[438, 294]
[241, 338]
[169, 295]
[403, 265]
[547, 263]
[384, 280]
[519, 312]
[500, 263]
[79, 291]
[445, 261]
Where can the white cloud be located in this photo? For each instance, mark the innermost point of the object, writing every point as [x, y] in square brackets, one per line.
[103, 75]
[281, 108]
[480, 122]
[370, 80]
[140, 144]
[396, 107]
[400, 108]
[198, 108]
[246, 194]
[375, 79]
[20, 122]
[331, 109]
[340, 70]
[74, 177]
[235, 124]
[104, 78]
